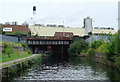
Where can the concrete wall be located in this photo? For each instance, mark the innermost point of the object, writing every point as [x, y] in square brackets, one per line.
[8, 38]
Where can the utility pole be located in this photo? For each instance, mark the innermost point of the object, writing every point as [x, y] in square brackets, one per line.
[63, 30]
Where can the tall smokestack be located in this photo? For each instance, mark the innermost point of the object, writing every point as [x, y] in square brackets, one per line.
[34, 9]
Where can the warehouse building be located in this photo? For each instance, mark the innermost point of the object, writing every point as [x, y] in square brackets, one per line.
[50, 31]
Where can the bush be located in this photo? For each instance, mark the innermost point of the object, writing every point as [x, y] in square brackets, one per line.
[91, 52]
[77, 47]
[116, 43]
[96, 44]
[24, 45]
[26, 48]
[29, 52]
[9, 48]
[12, 44]
[117, 62]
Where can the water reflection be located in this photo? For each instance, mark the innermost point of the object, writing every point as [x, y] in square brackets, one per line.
[72, 69]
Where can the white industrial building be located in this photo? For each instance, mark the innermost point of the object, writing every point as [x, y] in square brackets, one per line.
[88, 25]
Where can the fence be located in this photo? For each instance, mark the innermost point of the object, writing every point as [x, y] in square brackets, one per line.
[8, 38]
[97, 37]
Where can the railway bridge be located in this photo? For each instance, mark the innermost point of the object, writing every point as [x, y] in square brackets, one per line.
[38, 44]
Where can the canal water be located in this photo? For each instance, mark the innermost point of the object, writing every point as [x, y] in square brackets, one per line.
[56, 68]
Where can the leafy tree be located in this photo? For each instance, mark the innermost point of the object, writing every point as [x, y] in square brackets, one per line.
[77, 47]
[8, 49]
[90, 33]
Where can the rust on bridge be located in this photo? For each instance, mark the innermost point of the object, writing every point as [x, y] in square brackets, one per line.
[48, 38]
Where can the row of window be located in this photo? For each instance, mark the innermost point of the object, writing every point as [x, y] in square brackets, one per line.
[48, 42]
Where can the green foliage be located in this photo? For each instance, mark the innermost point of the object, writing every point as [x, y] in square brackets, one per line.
[1, 28]
[3, 32]
[116, 43]
[77, 47]
[12, 44]
[8, 50]
[91, 52]
[11, 53]
[29, 52]
[117, 62]
[96, 44]
[24, 45]
[73, 39]
[110, 49]
[90, 33]
[18, 33]
[29, 33]
[26, 48]
[14, 56]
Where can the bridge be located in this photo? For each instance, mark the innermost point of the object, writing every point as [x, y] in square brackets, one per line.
[52, 44]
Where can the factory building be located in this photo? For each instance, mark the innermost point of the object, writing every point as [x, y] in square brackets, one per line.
[88, 25]
[15, 28]
[57, 30]
[50, 31]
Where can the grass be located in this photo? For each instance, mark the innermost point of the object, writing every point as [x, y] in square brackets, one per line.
[14, 56]
[22, 60]
[11, 44]
[10, 53]
[99, 50]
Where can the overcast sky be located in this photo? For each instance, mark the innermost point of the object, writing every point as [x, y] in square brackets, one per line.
[72, 12]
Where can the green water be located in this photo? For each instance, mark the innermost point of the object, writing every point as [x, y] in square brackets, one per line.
[72, 69]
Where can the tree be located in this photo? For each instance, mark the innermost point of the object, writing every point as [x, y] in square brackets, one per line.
[29, 33]
[90, 33]
[77, 47]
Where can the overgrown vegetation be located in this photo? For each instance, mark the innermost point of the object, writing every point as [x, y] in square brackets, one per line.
[77, 47]
[94, 45]
[13, 51]
[90, 33]
[110, 49]
[15, 33]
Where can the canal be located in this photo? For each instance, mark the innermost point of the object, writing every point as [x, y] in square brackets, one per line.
[73, 68]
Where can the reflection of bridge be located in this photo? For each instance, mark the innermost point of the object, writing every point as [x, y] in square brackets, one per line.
[52, 44]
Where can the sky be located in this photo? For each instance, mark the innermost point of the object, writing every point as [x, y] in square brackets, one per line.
[72, 12]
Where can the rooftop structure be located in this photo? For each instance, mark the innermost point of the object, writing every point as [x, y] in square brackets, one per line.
[63, 34]
[103, 31]
[50, 31]
[15, 28]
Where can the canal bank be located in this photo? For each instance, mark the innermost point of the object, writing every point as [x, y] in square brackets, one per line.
[75, 68]
[12, 68]
[99, 58]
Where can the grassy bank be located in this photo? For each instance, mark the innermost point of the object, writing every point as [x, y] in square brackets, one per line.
[14, 56]
[22, 60]
[108, 51]
[10, 52]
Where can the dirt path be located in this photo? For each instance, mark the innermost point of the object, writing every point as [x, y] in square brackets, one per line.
[18, 60]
